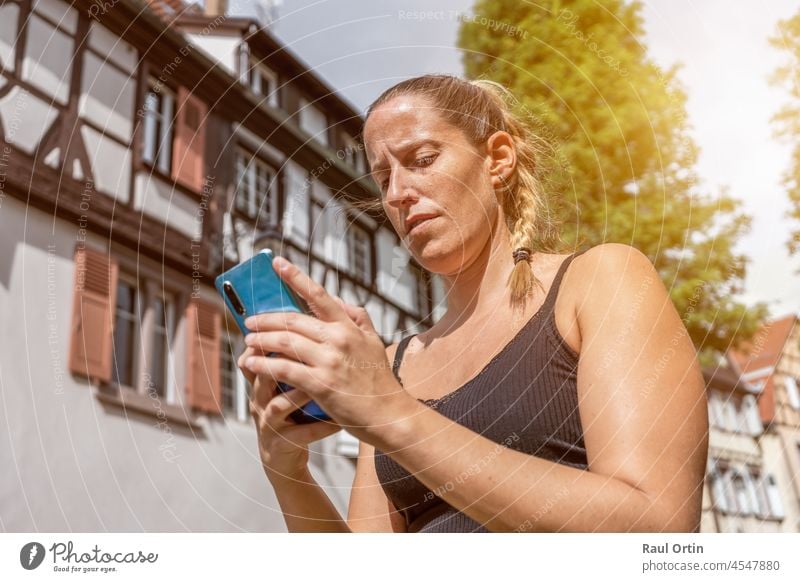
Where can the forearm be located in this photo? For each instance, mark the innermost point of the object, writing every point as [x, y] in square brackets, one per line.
[507, 490]
[305, 506]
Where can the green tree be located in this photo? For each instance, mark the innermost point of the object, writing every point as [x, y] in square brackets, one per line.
[788, 119]
[621, 159]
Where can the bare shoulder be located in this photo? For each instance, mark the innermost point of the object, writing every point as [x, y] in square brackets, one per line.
[608, 272]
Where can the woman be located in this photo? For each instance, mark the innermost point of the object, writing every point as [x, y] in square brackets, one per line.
[557, 393]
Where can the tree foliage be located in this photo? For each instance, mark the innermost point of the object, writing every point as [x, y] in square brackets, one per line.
[620, 156]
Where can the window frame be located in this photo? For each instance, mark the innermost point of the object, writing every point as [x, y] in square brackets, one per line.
[256, 72]
[252, 210]
[367, 244]
[148, 290]
[792, 388]
[241, 392]
[160, 158]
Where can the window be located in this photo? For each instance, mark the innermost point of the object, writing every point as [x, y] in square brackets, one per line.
[159, 108]
[126, 324]
[360, 252]
[721, 493]
[158, 373]
[729, 413]
[123, 332]
[741, 493]
[750, 415]
[313, 121]
[760, 500]
[234, 384]
[352, 153]
[256, 188]
[716, 411]
[774, 497]
[792, 392]
[264, 81]
[142, 337]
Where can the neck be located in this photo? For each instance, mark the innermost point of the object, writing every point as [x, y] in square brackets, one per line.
[477, 289]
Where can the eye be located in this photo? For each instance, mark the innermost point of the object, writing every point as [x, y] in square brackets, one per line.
[426, 160]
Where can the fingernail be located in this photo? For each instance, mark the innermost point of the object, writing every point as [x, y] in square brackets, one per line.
[249, 362]
[281, 264]
[250, 322]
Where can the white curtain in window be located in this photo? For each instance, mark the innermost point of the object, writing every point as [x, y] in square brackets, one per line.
[718, 490]
[752, 416]
[792, 392]
[741, 494]
[774, 496]
[716, 413]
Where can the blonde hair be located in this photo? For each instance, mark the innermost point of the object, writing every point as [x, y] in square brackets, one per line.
[480, 108]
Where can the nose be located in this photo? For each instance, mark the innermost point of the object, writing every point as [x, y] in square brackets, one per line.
[399, 193]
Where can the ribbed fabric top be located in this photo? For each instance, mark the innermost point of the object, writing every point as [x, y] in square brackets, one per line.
[525, 398]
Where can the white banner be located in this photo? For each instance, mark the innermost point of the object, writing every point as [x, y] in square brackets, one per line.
[386, 557]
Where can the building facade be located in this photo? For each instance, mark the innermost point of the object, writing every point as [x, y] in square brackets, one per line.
[753, 480]
[144, 149]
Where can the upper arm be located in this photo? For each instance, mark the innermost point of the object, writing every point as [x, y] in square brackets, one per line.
[642, 396]
[369, 509]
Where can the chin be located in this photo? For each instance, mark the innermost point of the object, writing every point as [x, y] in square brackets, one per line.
[438, 260]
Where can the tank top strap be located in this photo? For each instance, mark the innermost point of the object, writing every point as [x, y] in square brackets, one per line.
[398, 356]
[550, 300]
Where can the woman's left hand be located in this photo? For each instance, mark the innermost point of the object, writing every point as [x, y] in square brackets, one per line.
[337, 357]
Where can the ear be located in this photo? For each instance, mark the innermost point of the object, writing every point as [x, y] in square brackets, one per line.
[501, 154]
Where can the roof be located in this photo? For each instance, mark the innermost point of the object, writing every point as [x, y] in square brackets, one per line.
[766, 347]
[725, 379]
[763, 353]
[169, 10]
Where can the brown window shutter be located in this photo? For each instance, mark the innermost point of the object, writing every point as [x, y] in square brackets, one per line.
[190, 141]
[203, 383]
[94, 302]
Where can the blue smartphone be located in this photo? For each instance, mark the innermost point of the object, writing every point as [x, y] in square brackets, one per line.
[253, 287]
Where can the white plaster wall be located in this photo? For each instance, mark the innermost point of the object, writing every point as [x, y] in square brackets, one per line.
[313, 121]
[107, 98]
[9, 13]
[163, 202]
[48, 54]
[111, 164]
[25, 118]
[221, 49]
[113, 48]
[61, 12]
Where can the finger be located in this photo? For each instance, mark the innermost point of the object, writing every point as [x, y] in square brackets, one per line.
[286, 343]
[274, 414]
[283, 370]
[358, 315]
[300, 323]
[264, 389]
[314, 294]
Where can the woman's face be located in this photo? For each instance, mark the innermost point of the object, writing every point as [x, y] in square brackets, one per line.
[426, 167]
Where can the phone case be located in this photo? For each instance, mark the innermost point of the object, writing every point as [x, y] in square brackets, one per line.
[259, 289]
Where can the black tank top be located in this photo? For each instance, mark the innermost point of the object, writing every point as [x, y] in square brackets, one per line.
[525, 398]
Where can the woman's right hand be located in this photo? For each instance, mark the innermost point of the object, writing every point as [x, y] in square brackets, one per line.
[282, 443]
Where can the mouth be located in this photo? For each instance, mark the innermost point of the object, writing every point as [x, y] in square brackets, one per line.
[419, 223]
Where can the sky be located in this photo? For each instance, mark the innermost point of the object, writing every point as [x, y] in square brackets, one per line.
[362, 47]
